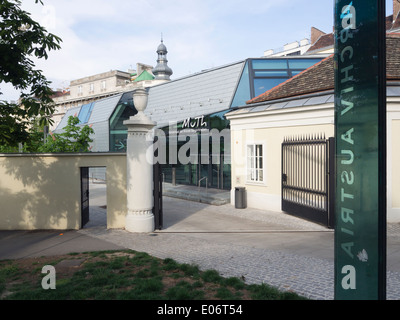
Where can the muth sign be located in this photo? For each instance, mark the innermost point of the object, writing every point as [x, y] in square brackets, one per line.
[360, 130]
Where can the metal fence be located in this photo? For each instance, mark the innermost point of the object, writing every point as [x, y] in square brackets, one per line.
[308, 178]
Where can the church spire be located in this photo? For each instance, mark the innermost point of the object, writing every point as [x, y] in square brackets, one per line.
[162, 71]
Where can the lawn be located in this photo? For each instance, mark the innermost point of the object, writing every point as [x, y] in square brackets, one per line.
[124, 275]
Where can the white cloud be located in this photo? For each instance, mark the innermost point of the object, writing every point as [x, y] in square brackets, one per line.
[135, 28]
[100, 35]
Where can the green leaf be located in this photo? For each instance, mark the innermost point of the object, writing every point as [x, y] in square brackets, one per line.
[16, 67]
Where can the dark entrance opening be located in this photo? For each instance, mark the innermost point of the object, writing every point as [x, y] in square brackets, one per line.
[93, 197]
[157, 193]
[84, 196]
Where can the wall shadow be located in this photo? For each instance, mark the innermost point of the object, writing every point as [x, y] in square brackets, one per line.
[44, 200]
[44, 191]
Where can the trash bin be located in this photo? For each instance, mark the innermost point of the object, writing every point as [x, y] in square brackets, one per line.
[240, 197]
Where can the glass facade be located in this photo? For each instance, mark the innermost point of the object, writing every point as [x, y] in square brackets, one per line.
[207, 150]
[117, 129]
[261, 75]
[243, 89]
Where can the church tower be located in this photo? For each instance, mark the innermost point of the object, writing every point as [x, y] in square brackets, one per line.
[162, 71]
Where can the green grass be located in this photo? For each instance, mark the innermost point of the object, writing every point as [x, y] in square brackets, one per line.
[122, 275]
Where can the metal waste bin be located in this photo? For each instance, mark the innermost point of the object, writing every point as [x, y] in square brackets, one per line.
[240, 197]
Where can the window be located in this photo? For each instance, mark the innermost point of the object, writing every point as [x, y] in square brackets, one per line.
[263, 85]
[79, 89]
[103, 85]
[255, 168]
[91, 87]
[263, 74]
[271, 73]
[269, 64]
[302, 63]
[85, 112]
[243, 89]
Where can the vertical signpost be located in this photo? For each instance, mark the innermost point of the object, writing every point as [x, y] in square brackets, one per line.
[360, 130]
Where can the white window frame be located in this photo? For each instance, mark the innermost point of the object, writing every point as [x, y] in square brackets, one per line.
[255, 164]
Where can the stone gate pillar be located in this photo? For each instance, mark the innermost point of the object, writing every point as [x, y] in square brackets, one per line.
[139, 178]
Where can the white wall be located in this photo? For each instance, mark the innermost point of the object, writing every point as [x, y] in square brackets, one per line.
[271, 127]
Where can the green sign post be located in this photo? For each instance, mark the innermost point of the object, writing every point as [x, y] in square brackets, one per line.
[360, 130]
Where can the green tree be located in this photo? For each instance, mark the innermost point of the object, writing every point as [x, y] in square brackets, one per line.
[35, 140]
[73, 139]
[22, 38]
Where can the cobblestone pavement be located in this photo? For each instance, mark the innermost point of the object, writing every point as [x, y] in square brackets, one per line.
[244, 253]
[307, 276]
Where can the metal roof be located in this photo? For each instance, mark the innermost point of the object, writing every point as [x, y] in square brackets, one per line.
[303, 101]
[287, 103]
[204, 93]
[64, 121]
[103, 109]
[393, 91]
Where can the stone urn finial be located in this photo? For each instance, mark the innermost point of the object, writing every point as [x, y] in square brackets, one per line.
[140, 97]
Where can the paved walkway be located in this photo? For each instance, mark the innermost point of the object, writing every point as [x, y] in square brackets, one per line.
[260, 246]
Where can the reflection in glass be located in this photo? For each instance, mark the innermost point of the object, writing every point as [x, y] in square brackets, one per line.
[261, 75]
[263, 85]
[118, 132]
[209, 163]
[270, 64]
[243, 89]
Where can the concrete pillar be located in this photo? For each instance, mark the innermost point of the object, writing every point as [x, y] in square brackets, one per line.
[140, 200]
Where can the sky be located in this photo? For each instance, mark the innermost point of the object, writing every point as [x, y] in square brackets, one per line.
[103, 35]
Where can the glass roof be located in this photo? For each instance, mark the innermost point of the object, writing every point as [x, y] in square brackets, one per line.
[263, 74]
[118, 131]
[85, 112]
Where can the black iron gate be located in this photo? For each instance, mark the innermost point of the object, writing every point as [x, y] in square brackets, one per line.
[308, 178]
[84, 196]
[157, 192]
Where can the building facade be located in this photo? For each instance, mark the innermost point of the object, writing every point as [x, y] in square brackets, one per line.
[187, 111]
[87, 90]
[100, 86]
[303, 106]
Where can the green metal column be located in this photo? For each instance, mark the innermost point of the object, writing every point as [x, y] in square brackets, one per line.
[360, 131]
